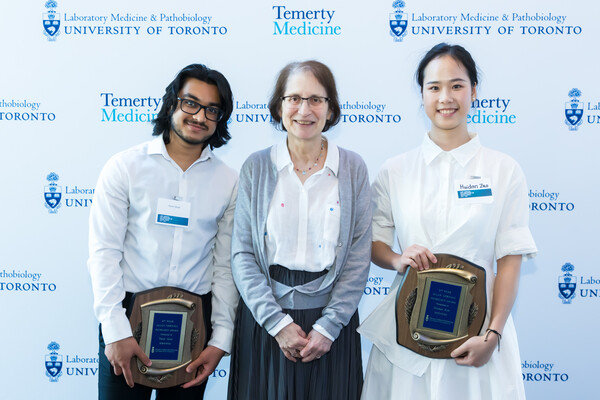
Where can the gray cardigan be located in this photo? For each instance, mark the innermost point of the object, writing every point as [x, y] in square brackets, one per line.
[340, 290]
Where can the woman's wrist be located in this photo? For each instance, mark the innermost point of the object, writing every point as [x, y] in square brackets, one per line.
[489, 331]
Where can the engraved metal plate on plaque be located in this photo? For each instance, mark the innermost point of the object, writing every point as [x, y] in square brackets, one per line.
[438, 309]
[168, 324]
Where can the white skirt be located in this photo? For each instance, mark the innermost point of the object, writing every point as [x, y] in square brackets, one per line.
[395, 372]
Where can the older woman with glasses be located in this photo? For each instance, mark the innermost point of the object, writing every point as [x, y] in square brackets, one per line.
[300, 252]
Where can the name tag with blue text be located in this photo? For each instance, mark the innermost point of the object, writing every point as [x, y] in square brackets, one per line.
[173, 213]
[477, 190]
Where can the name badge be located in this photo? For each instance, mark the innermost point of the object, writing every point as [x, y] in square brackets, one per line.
[173, 213]
[474, 190]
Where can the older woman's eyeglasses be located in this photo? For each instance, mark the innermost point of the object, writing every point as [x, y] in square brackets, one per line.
[191, 107]
[295, 101]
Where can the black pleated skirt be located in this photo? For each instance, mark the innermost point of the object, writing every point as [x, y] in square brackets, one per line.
[260, 371]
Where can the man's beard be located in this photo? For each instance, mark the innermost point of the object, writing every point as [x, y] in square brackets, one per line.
[188, 140]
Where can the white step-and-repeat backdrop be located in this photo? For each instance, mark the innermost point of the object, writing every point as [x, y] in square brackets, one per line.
[80, 81]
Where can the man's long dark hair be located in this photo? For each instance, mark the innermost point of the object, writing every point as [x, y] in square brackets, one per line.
[162, 122]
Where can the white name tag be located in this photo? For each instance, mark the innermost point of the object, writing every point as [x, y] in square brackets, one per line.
[173, 213]
[474, 190]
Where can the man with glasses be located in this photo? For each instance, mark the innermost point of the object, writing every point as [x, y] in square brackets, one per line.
[162, 215]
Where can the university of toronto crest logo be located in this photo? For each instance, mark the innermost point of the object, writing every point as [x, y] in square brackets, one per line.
[52, 193]
[51, 21]
[574, 110]
[53, 362]
[398, 21]
[567, 284]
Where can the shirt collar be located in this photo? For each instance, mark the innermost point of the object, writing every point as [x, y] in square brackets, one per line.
[461, 154]
[157, 146]
[333, 158]
[280, 156]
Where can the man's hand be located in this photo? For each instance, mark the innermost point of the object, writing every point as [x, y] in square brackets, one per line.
[204, 365]
[121, 352]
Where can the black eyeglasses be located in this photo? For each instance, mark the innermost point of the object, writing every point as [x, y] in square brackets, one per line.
[192, 107]
[295, 101]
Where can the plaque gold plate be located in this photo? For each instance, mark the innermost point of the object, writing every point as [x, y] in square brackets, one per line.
[168, 324]
[438, 309]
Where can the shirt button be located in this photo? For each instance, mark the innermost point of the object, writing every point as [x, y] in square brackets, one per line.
[340, 244]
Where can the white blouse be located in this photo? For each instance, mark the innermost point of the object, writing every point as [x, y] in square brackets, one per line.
[303, 225]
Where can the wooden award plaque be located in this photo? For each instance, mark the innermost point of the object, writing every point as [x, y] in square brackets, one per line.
[438, 309]
[168, 324]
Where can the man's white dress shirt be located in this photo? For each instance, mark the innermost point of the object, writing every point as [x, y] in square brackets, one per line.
[130, 252]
